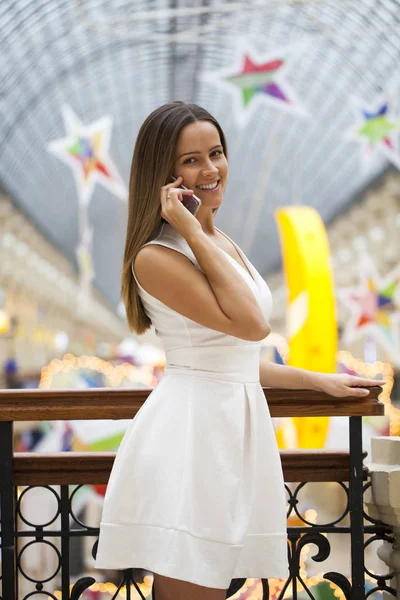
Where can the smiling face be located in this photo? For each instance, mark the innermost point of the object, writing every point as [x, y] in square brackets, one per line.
[201, 161]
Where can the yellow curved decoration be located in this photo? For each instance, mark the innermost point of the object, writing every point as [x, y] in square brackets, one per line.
[312, 328]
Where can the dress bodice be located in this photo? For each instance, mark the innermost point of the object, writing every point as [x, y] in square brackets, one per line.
[178, 332]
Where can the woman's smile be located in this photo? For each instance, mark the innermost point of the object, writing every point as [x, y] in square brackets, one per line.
[210, 187]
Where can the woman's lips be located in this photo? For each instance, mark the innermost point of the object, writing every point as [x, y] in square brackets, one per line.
[212, 190]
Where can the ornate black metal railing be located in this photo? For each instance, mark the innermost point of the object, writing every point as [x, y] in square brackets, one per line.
[69, 472]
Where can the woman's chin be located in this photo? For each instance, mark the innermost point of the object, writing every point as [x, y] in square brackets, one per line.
[212, 202]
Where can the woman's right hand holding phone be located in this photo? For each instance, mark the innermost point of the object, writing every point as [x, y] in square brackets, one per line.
[173, 211]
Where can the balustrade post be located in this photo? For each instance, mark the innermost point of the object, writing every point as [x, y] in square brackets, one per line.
[65, 541]
[383, 500]
[356, 509]
[7, 511]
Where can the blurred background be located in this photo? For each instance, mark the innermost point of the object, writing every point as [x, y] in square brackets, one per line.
[308, 94]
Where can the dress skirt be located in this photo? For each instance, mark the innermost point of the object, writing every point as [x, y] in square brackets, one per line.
[196, 492]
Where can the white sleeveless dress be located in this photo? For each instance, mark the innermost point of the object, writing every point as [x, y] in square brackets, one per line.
[196, 491]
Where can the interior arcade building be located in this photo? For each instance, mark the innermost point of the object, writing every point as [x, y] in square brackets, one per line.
[307, 93]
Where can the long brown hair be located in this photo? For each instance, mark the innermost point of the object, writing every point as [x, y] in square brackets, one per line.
[152, 166]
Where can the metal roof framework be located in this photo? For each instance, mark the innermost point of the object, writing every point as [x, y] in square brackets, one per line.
[126, 57]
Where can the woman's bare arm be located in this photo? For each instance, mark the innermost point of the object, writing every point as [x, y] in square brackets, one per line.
[219, 298]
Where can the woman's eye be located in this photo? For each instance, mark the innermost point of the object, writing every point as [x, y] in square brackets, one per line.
[189, 160]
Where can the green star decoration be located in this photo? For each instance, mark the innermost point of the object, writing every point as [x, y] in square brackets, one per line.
[378, 129]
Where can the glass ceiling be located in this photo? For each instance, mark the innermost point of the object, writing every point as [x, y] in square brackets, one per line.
[123, 58]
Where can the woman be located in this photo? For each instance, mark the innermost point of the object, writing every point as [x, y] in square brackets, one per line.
[196, 494]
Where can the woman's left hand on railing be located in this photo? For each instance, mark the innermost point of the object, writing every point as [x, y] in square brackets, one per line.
[342, 385]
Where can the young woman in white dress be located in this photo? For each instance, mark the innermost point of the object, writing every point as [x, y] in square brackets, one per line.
[196, 493]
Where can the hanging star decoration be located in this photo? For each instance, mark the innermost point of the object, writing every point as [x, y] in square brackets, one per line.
[260, 79]
[255, 80]
[375, 310]
[377, 130]
[86, 150]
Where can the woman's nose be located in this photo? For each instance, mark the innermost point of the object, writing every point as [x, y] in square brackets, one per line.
[210, 169]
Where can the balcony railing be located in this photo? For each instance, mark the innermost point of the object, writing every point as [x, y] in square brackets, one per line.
[70, 468]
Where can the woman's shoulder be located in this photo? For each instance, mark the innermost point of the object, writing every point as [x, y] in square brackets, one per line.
[165, 236]
[164, 231]
[156, 253]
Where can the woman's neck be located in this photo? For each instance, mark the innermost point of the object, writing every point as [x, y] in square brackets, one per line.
[206, 218]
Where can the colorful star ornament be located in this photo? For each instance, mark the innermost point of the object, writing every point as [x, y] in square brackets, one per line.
[86, 150]
[255, 80]
[374, 309]
[377, 129]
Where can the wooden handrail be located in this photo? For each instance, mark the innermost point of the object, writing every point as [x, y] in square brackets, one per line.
[116, 403]
[64, 468]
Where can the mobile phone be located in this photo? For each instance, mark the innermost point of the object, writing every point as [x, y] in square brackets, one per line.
[192, 203]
